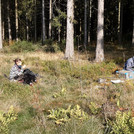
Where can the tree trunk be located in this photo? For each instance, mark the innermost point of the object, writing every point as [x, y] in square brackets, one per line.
[120, 21]
[16, 17]
[0, 28]
[2, 19]
[85, 25]
[27, 28]
[133, 33]
[35, 22]
[69, 52]
[43, 22]
[3, 30]
[89, 22]
[100, 32]
[59, 28]
[50, 19]
[9, 23]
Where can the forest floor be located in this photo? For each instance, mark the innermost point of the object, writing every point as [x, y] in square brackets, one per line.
[42, 108]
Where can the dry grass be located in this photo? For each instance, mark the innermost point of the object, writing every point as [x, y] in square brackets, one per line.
[29, 101]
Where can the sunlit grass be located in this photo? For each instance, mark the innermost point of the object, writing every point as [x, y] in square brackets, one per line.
[79, 77]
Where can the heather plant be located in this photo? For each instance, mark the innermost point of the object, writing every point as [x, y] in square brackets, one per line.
[6, 119]
[64, 115]
[94, 108]
[123, 123]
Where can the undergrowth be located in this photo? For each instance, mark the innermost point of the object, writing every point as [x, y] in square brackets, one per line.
[61, 83]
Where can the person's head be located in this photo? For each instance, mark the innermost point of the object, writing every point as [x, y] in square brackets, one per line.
[18, 61]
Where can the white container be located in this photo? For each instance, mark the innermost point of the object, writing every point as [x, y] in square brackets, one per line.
[125, 74]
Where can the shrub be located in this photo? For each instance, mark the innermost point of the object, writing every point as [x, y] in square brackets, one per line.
[51, 46]
[64, 115]
[6, 119]
[85, 71]
[94, 108]
[123, 123]
[21, 46]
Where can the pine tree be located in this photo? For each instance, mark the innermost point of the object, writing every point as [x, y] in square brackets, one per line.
[43, 22]
[9, 22]
[133, 33]
[85, 25]
[100, 32]
[0, 28]
[69, 52]
[16, 15]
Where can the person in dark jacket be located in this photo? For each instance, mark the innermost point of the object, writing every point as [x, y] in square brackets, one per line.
[129, 65]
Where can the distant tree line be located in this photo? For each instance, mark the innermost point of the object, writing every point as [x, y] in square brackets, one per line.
[87, 20]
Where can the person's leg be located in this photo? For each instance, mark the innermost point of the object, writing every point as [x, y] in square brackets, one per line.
[20, 77]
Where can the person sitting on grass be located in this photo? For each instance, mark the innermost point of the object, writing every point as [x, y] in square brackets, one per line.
[129, 65]
[18, 73]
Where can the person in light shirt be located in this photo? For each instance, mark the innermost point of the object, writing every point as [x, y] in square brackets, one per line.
[16, 71]
[129, 65]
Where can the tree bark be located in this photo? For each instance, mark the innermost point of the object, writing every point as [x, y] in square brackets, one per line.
[100, 32]
[27, 28]
[3, 23]
[120, 21]
[9, 23]
[0, 28]
[59, 28]
[85, 25]
[89, 22]
[50, 19]
[3, 30]
[133, 33]
[43, 22]
[16, 17]
[35, 22]
[69, 52]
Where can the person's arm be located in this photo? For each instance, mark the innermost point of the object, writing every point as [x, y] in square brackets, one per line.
[15, 72]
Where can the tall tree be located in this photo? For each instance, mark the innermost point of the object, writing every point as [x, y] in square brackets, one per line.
[89, 22]
[27, 27]
[133, 33]
[9, 22]
[59, 28]
[69, 52]
[16, 18]
[120, 20]
[2, 19]
[35, 21]
[50, 18]
[0, 28]
[43, 22]
[85, 25]
[100, 32]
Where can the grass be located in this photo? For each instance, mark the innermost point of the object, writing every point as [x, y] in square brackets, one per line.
[78, 77]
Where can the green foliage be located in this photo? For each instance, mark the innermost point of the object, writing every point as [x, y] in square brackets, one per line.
[51, 46]
[94, 108]
[61, 93]
[123, 124]
[23, 46]
[78, 71]
[25, 10]
[56, 20]
[64, 115]
[15, 89]
[6, 119]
